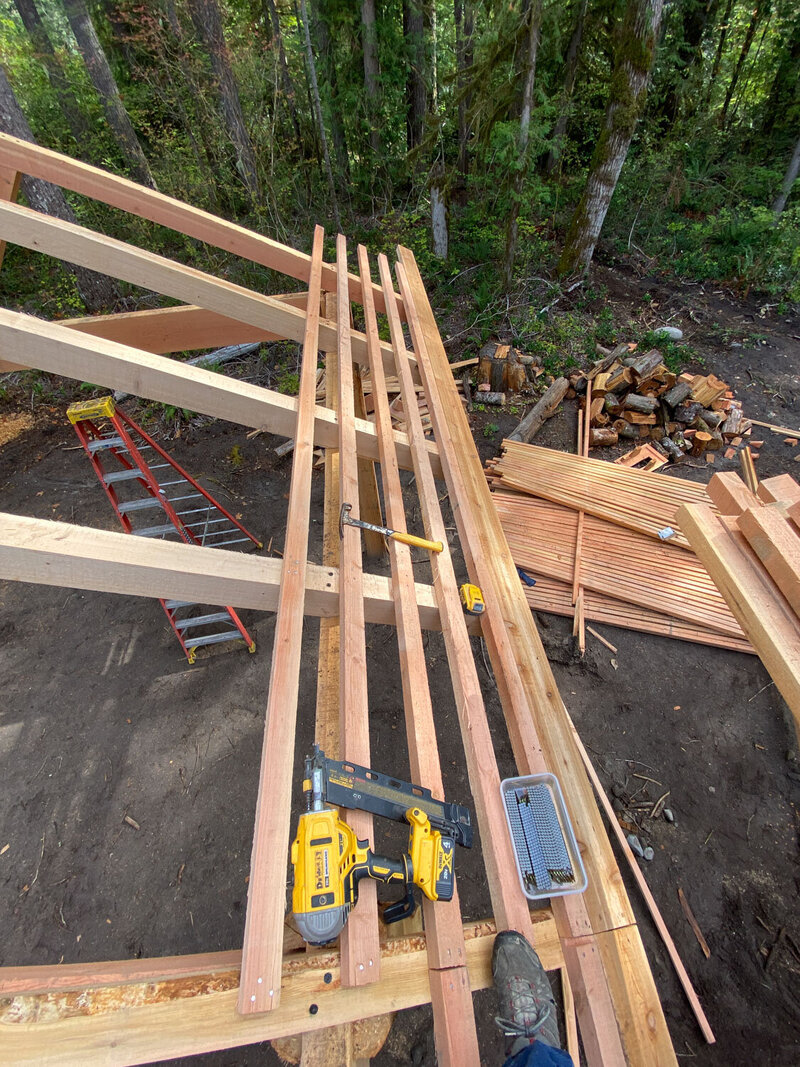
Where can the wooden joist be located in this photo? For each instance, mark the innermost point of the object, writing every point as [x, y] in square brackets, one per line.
[359, 939]
[455, 1032]
[603, 948]
[21, 156]
[54, 348]
[508, 903]
[261, 957]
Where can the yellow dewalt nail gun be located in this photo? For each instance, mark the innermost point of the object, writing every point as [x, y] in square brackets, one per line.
[329, 861]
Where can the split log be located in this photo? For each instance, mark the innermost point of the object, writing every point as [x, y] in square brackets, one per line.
[733, 424]
[612, 403]
[541, 411]
[645, 365]
[639, 419]
[707, 389]
[677, 394]
[624, 429]
[497, 399]
[688, 412]
[619, 379]
[602, 436]
[497, 376]
[713, 418]
[674, 451]
[604, 364]
[700, 442]
[645, 405]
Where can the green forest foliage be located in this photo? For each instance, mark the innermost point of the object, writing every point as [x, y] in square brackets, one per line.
[695, 196]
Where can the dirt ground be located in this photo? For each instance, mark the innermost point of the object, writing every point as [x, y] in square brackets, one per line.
[101, 717]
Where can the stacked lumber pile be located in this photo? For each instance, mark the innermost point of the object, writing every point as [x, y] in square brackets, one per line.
[633, 572]
[635, 396]
[751, 548]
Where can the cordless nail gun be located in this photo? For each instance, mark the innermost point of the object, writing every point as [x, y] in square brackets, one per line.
[329, 861]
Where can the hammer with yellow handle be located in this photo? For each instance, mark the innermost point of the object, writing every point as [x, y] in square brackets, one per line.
[393, 535]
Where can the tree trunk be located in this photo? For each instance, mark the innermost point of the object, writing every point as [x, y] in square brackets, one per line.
[570, 73]
[274, 25]
[512, 224]
[98, 292]
[634, 54]
[106, 87]
[693, 19]
[372, 73]
[465, 25]
[207, 22]
[44, 51]
[439, 228]
[760, 10]
[788, 181]
[416, 82]
[783, 93]
[314, 87]
[338, 135]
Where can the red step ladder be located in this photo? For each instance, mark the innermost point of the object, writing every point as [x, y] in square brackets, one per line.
[114, 444]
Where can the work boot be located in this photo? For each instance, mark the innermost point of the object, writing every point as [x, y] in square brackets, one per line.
[527, 1006]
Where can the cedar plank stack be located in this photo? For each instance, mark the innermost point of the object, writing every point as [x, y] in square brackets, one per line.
[753, 554]
[632, 578]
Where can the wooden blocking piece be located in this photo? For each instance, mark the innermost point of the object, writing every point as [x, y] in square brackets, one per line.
[782, 489]
[730, 494]
[776, 544]
[753, 597]
[260, 982]
[359, 939]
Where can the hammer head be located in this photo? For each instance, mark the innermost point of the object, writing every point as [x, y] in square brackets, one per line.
[344, 518]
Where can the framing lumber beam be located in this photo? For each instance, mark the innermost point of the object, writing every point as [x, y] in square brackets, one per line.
[774, 541]
[77, 244]
[181, 329]
[359, 939]
[755, 600]
[508, 903]
[539, 729]
[455, 1033]
[51, 347]
[266, 896]
[145, 1019]
[46, 552]
[175, 214]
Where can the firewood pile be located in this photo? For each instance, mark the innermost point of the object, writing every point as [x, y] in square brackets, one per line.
[634, 397]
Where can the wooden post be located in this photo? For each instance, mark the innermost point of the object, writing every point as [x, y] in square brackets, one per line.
[9, 189]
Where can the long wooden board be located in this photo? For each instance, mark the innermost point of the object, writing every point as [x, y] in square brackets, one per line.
[261, 956]
[508, 903]
[538, 729]
[359, 939]
[50, 347]
[455, 1032]
[47, 552]
[175, 214]
[77, 244]
[155, 1020]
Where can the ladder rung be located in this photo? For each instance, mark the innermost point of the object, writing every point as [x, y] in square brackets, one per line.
[213, 639]
[139, 505]
[105, 442]
[128, 475]
[173, 605]
[155, 531]
[216, 544]
[203, 620]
